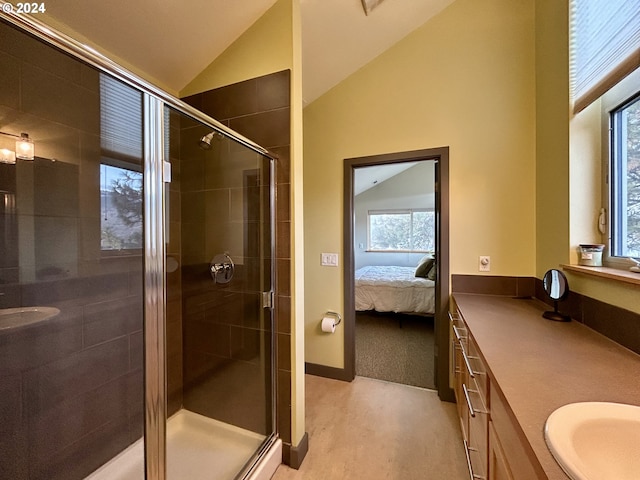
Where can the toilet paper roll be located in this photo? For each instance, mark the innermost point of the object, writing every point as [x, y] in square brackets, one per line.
[329, 324]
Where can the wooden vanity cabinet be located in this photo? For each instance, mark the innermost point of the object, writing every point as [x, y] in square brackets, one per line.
[471, 389]
[493, 448]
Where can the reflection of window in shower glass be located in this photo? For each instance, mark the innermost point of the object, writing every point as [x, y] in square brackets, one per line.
[121, 208]
[121, 166]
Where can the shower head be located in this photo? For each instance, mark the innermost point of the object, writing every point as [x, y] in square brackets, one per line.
[205, 142]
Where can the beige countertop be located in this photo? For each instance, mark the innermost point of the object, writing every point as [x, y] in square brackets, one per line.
[540, 365]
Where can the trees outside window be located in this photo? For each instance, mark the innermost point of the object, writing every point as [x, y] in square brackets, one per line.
[121, 199]
[404, 230]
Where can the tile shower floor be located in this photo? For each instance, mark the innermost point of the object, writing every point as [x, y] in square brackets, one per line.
[198, 448]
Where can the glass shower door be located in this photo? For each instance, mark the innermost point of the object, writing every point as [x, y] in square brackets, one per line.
[219, 319]
[71, 266]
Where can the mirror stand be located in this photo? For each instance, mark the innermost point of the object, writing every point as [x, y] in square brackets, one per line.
[557, 288]
[556, 315]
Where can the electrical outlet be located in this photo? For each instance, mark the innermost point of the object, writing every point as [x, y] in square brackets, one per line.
[484, 263]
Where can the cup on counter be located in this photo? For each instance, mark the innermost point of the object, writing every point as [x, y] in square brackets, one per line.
[590, 254]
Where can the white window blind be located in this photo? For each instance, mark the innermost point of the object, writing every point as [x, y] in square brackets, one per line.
[120, 120]
[605, 46]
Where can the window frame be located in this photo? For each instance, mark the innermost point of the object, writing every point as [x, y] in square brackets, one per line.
[618, 97]
[391, 211]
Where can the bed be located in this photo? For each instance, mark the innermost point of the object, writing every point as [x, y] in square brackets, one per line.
[393, 289]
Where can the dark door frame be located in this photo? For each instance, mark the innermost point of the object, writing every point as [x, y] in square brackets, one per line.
[442, 350]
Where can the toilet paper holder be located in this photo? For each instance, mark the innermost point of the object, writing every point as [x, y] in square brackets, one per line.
[334, 314]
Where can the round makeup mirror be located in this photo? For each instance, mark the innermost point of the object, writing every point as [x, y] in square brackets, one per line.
[557, 288]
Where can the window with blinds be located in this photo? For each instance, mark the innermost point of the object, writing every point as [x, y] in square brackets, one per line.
[121, 182]
[605, 46]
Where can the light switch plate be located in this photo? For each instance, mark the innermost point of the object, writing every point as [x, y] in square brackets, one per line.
[329, 259]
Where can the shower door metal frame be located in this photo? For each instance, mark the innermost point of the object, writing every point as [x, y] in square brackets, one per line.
[154, 256]
[155, 394]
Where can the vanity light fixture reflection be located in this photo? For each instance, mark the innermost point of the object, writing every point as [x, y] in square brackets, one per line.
[7, 156]
[25, 149]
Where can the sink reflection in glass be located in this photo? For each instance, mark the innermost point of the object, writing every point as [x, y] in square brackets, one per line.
[21, 316]
[596, 440]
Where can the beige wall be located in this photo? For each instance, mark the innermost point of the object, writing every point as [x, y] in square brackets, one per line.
[568, 168]
[297, 233]
[584, 178]
[464, 80]
[266, 47]
[552, 135]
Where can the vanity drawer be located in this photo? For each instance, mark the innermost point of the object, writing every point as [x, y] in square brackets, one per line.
[472, 390]
[478, 435]
[479, 369]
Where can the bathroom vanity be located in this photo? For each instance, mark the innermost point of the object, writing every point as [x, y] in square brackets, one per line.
[513, 368]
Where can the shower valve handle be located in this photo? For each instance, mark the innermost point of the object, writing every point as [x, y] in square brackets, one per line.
[222, 268]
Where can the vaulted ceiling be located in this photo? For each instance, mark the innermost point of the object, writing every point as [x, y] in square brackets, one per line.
[173, 41]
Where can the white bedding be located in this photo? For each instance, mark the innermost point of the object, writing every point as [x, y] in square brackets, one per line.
[393, 289]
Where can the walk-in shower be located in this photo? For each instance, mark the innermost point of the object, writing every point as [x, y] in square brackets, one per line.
[136, 277]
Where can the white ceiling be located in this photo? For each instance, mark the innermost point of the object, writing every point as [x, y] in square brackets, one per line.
[369, 177]
[170, 40]
[173, 41]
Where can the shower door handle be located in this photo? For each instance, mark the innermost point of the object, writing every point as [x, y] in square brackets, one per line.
[222, 268]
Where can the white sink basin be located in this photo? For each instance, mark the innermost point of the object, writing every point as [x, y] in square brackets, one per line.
[21, 316]
[596, 440]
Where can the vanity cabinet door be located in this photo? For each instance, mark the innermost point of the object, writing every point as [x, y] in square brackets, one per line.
[498, 465]
[513, 447]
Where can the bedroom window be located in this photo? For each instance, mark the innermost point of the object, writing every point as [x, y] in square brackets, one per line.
[406, 230]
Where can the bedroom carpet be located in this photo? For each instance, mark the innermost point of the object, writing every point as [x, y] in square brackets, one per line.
[400, 355]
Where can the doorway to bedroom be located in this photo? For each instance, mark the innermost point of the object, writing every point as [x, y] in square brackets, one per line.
[395, 232]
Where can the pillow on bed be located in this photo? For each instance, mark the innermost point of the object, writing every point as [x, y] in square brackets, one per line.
[432, 272]
[424, 266]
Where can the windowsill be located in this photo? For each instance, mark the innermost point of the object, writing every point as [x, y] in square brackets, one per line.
[615, 274]
[399, 251]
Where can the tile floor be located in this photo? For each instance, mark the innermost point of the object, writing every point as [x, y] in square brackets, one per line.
[373, 430]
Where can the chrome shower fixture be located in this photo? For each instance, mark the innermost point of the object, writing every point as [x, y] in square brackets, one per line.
[205, 142]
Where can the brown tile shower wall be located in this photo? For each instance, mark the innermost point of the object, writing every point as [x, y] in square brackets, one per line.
[259, 109]
[71, 387]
